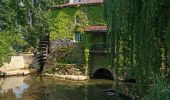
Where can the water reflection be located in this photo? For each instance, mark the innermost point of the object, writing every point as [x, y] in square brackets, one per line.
[16, 84]
[67, 90]
[18, 91]
[42, 88]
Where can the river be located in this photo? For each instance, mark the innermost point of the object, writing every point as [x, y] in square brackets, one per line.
[46, 88]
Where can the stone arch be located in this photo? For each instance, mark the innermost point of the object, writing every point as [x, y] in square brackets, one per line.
[102, 73]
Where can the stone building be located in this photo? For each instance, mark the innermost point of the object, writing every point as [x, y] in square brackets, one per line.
[82, 22]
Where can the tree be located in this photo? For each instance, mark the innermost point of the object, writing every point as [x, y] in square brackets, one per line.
[22, 22]
[139, 34]
[9, 32]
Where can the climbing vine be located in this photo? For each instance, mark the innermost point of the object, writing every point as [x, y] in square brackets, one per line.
[95, 15]
[63, 25]
[86, 43]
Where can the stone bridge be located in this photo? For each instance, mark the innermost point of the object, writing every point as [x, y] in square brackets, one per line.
[99, 66]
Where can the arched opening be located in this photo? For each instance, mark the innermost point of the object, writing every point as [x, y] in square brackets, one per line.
[103, 73]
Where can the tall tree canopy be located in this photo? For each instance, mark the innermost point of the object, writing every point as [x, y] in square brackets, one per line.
[139, 37]
[22, 22]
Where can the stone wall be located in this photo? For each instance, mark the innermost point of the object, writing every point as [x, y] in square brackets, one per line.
[19, 62]
[65, 58]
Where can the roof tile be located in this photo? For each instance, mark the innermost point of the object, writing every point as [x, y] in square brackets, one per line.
[92, 1]
[96, 29]
[84, 2]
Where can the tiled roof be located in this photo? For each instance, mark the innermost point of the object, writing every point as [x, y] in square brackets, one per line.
[92, 1]
[96, 29]
[83, 3]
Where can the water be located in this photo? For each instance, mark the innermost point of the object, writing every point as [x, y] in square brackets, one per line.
[45, 88]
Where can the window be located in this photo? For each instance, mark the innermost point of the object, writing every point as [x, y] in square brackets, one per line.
[77, 37]
[77, 20]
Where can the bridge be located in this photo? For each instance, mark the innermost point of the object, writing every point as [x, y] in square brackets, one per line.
[99, 66]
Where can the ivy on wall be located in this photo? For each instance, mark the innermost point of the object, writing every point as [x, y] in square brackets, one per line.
[62, 21]
[95, 15]
[63, 25]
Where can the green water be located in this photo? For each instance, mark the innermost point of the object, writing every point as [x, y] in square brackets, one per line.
[45, 88]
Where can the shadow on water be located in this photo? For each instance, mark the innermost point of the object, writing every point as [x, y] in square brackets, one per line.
[67, 90]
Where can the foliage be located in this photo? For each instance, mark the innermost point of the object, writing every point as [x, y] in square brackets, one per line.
[61, 26]
[137, 34]
[95, 15]
[141, 29]
[87, 41]
[9, 40]
[60, 1]
[159, 91]
[62, 23]
[4, 49]
[22, 22]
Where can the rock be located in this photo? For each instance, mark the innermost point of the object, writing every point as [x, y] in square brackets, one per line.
[72, 77]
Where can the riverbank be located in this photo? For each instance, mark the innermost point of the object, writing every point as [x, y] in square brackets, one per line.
[18, 72]
[83, 78]
[68, 77]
